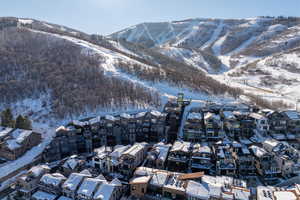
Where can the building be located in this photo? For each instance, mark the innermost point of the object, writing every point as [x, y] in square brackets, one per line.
[194, 130]
[14, 143]
[201, 159]
[109, 191]
[261, 122]
[89, 186]
[132, 158]
[270, 193]
[157, 156]
[225, 162]
[231, 124]
[51, 183]
[72, 164]
[28, 182]
[245, 161]
[179, 156]
[266, 165]
[72, 184]
[213, 127]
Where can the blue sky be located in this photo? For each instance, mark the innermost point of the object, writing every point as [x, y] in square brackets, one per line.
[107, 16]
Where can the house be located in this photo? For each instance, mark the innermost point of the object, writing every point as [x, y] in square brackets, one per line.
[157, 156]
[99, 160]
[72, 184]
[132, 158]
[287, 157]
[261, 122]
[193, 130]
[109, 191]
[225, 162]
[266, 165]
[270, 193]
[113, 159]
[201, 158]
[213, 127]
[277, 122]
[247, 124]
[231, 124]
[15, 143]
[41, 195]
[51, 183]
[89, 187]
[149, 183]
[244, 160]
[28, 182]
[72, 164]
[293, 121]
[179, 156]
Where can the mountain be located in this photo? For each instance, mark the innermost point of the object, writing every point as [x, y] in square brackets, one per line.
[258, 55]
[52, 71]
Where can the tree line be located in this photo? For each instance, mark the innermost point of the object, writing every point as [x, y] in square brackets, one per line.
[21, 122]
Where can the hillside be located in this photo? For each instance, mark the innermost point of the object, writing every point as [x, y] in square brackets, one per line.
[232, 51]
[50, 71]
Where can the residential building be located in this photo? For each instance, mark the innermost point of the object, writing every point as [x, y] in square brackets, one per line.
[201, 159]
[51, 183]
[179, 156]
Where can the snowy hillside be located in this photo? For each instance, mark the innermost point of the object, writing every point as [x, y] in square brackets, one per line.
[69, 74]
[230, 50]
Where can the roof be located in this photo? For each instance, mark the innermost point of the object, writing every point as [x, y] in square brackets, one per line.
[4, 131]
[256, 116]
[88, 186]
[285, 195]
[118, 150]
[181, 146]
[105, 191]
[38, 170]
[195, 189]
[64, 198]
[40, 195]
[110, 117]
[126, 116]
[228, 115]
[52, 179]
[258, 151]
[191, 176]
[194, 115]
[137, 147]
[18, 136]
[73, 181]
[71, 163]
[140, 180]
[155, 113]
[292, 114]
[159, 178]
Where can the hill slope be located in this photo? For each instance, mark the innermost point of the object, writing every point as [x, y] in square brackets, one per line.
[55, 71]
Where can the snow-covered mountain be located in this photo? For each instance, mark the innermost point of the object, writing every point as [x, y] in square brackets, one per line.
[70, 74]
[231, 50]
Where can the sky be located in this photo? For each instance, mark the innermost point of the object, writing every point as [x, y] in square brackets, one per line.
[108, 16]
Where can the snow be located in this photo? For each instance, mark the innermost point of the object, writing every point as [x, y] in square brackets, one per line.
[215, 35]
[4, 131]
[71, 163]
[159, 178]
[284, 195]
[105, 191]
[194, 115]
[73, 181]
[40, 195]
[258, 151]
[88, 187]
[181, 146]
[195, 189]
[218, 44]
[25, 21]
[52, 179]
[141, 179]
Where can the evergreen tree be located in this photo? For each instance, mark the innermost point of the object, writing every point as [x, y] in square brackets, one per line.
[7, 118]
[20, 122]
[27, 123]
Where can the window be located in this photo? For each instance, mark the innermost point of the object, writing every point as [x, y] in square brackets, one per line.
[143, 190]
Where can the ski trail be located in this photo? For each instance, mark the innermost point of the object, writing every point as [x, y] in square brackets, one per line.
[215, 35]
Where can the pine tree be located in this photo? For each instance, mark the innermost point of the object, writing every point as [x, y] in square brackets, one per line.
[7, 118]
[27, 123]
[20, 122]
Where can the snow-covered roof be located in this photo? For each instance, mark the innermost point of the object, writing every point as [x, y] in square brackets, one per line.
[294, 115]
[64, 198]
[141, 114]
[258, 151]
[4, 131]
[194, 115]
[38, 170]
[137, 147]
[52, 179]
[18, 136]
[110, 117]
[159, 178]
[163, 151]
[118, 150]
[174, 183]
[197, 148]
[256, 116]
[71, 163]
[40, 195]
[126, 116]
[265, 193]
[106, 190]
[241, 194]
[73, 181]
[285, 195]
[141, 179]
[155, 113]
[88, 186]
[181, 146]
[228, 115]
[95, 120]
[195, 189]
